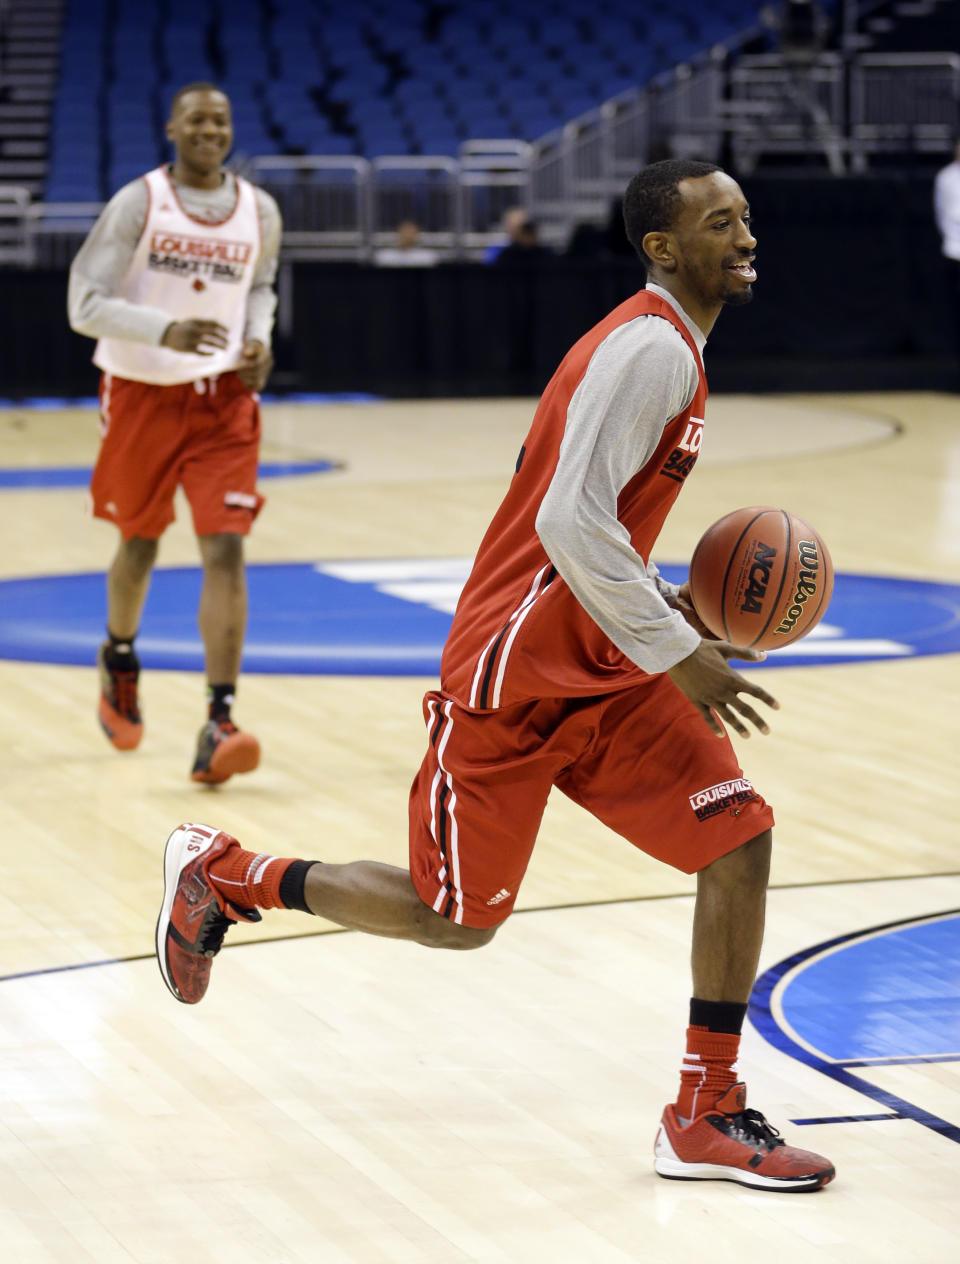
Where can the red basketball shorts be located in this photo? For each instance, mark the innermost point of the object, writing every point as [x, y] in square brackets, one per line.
[203, 436]
[642, 761]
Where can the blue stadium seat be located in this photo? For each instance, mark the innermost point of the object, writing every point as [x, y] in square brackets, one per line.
[378, 144]
[304, 76]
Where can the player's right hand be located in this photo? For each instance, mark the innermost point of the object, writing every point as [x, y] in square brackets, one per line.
[714, 687]
[201, 337]
[685, 605]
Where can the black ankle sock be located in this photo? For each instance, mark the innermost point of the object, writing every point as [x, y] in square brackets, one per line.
[292, 885]
[725, 1016]
[220, 699]
[120, 648]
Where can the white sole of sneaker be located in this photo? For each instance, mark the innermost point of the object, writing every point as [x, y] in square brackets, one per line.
[677, 1170]
[184, 845]
[667, 1163]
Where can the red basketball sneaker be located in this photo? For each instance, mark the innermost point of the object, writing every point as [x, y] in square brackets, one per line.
[119, 710]
[222, 750]
[732, 1143]
[193, 917]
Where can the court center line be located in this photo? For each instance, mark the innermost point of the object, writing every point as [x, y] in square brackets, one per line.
[542, 908]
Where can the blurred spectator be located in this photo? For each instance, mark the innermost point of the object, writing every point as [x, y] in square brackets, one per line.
[608, 242]
[586, 242]
[406, 251]
[525, 248]
[946, 210]
[800, 30]
[511, 224]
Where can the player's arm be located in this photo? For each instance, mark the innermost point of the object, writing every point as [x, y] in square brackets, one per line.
[641, 377]
[94, 307]
[256, 356]
[677, 597]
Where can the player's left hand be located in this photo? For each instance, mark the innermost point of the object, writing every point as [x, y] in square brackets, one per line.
[255, 364]
[714, 688]
[685, 606]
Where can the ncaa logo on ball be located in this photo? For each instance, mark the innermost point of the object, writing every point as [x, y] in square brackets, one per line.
[758, 578]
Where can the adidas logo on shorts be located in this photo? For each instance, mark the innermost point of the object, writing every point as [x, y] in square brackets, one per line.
[502, 894]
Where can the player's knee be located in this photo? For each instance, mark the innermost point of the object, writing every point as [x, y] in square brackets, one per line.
[464, 938]
[438, 932]
[139, 554]
[222, 552]
[748, 865]
[756, 856]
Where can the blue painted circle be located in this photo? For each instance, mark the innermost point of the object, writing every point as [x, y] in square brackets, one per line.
[880, 997]
[44, 477]
[392, 617]
[892, 995]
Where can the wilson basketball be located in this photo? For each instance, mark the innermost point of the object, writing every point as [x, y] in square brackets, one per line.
[761, 578]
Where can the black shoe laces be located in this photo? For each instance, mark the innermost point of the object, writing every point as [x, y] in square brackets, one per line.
[751, 1127]
[215, 927]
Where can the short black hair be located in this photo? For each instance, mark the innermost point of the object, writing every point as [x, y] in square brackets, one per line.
[198, 86]
[652, 200]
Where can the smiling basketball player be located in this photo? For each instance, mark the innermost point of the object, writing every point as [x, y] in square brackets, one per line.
[572, 663]
[175, 281]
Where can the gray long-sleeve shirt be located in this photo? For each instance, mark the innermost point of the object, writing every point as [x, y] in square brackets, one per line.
[101, 263]
[612, 429]
[946, 208]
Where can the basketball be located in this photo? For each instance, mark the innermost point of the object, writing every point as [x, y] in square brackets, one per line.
[761, 578]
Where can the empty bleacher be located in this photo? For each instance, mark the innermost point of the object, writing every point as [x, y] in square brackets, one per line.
[378, 77]
[448, 111]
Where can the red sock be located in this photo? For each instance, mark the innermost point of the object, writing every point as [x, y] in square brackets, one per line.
[249, 879]
[708, 1070]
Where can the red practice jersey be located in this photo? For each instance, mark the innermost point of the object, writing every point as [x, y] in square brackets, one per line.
[519, 632]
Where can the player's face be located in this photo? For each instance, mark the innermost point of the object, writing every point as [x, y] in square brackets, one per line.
[201, 130]
[714, 244]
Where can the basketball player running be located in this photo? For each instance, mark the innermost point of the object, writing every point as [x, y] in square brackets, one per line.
[175, 281]
[571, 662]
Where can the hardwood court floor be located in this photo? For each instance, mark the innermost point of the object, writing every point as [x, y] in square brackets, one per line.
[338, 1098]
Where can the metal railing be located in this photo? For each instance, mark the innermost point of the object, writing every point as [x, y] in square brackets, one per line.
[494, 176]
[14, 237]
[903, 101]
[56, 231]
[628, 125]
[324, 201]
[688, 107]
[588, 144]
[425, 190]
[345, 207]
[796, 109]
